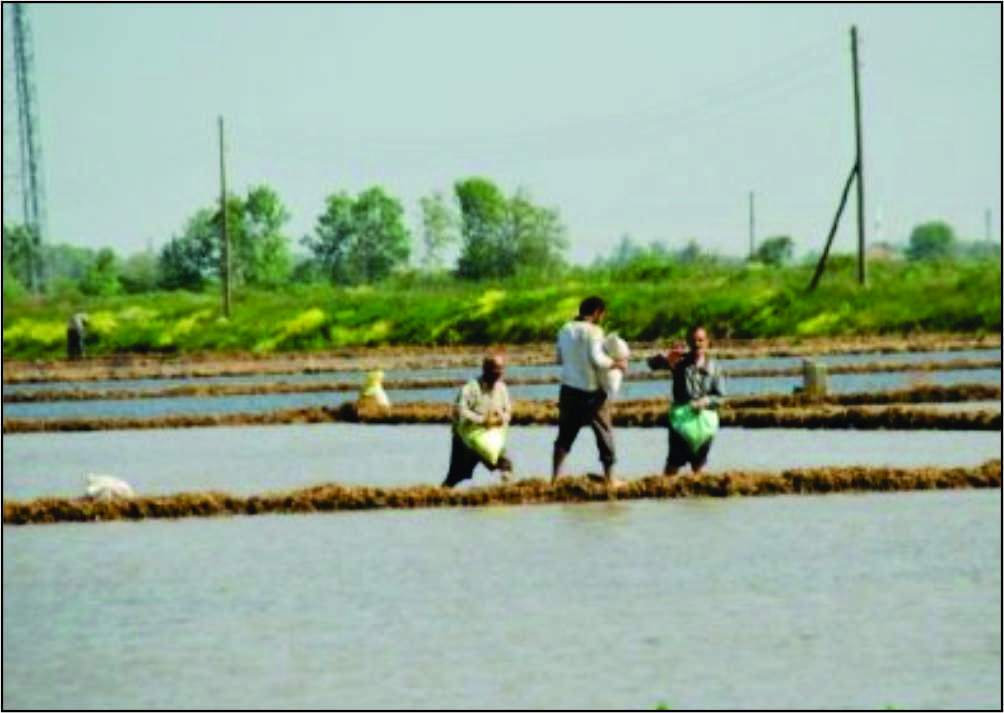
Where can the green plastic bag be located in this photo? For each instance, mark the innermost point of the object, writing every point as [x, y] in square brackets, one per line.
[697, 426]
[486, 442]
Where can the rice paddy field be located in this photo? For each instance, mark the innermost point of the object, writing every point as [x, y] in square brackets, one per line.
[288, 549]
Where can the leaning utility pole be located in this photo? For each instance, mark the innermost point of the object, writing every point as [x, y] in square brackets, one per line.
[225, 242]
[857, 171]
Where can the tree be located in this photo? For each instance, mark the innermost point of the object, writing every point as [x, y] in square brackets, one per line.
[17, 254]
[504, 236]
[690, 253]
[102, 276]
[139, 272]
[261, 252]
[931, 241]
[360, 240]
[189, 260]
[536, 235]
[778, 250]
[482, 222]
[440, 229]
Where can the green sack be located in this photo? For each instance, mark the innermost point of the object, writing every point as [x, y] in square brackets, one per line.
[486, 442]
[697, 426]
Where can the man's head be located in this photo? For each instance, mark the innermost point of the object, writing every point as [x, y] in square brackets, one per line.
[492, 368]
[593, 308]
[697, 339]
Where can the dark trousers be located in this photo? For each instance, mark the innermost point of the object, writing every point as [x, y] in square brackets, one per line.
[74, 343]
[578, 408]
[463, 461]
[680, 453]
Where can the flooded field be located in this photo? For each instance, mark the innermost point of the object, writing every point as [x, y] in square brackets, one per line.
[840, 383]
[864, 601]
[854, 601]
[253, 459]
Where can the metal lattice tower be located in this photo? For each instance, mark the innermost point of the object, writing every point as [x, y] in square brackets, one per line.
[28, 174]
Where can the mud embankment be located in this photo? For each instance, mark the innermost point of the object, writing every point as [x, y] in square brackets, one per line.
[645, 413]
[209, 390]
[334, 497]
[128, 367]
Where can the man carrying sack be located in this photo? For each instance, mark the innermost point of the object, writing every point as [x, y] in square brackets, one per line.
[480, 417]
[693, 412]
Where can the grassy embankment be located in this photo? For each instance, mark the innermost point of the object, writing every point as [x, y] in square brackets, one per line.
[655, 302]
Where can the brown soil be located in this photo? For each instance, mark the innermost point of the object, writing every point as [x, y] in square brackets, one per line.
[204, 390]
[641, 413]
[416, 357]
[334, 497]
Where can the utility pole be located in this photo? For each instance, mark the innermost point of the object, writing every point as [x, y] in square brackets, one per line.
[859, 160]
[225, 247]
[29, 141]
[751, 226]
[857, 172]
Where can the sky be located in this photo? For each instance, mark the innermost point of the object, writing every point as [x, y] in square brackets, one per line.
[656, 121]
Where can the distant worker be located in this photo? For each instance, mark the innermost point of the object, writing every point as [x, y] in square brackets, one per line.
[693, 413]
[481, 414]
[582, 400]
[75, 331]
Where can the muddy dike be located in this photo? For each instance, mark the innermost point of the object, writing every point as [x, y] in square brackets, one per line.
[334, 497]
[130, 366]
[643, 413]
[210, 390]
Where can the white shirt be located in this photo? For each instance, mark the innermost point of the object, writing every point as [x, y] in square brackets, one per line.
[580, 353]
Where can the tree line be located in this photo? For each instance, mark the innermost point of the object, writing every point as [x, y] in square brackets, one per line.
[363, 239]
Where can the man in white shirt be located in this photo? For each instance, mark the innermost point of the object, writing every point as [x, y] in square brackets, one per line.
[582, 401]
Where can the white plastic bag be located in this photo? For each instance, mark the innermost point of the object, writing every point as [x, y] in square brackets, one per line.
[372, 393]
[105, 487]
[486, 442]
[611, 379]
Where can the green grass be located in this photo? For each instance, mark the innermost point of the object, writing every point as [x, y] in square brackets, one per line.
[651, 302]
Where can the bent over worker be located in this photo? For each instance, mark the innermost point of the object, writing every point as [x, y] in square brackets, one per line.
[480, 416]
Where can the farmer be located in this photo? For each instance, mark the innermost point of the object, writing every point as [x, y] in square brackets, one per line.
[75, 329]
[693, 415]
[480, 416]
[582, 401]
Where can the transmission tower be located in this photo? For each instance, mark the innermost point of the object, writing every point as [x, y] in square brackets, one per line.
[28, 173]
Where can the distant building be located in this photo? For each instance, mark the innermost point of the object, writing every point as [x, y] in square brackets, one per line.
[884, 251]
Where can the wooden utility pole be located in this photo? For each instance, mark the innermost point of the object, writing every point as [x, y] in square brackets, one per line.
[858, 172]
[225, 245]
[859, 160]
[751, 226]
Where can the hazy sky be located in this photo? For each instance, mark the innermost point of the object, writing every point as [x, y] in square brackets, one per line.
[655, 121]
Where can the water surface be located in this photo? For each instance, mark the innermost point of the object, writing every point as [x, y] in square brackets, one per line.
[803, 602]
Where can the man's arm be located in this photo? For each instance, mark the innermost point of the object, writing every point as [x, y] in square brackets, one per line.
[597, 356]
[463, 411]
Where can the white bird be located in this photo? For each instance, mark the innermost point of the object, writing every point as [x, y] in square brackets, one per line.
[105, 487]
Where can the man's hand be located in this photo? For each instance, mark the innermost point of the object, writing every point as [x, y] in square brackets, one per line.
[621, 364]
[676, 352]
[701, 403]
